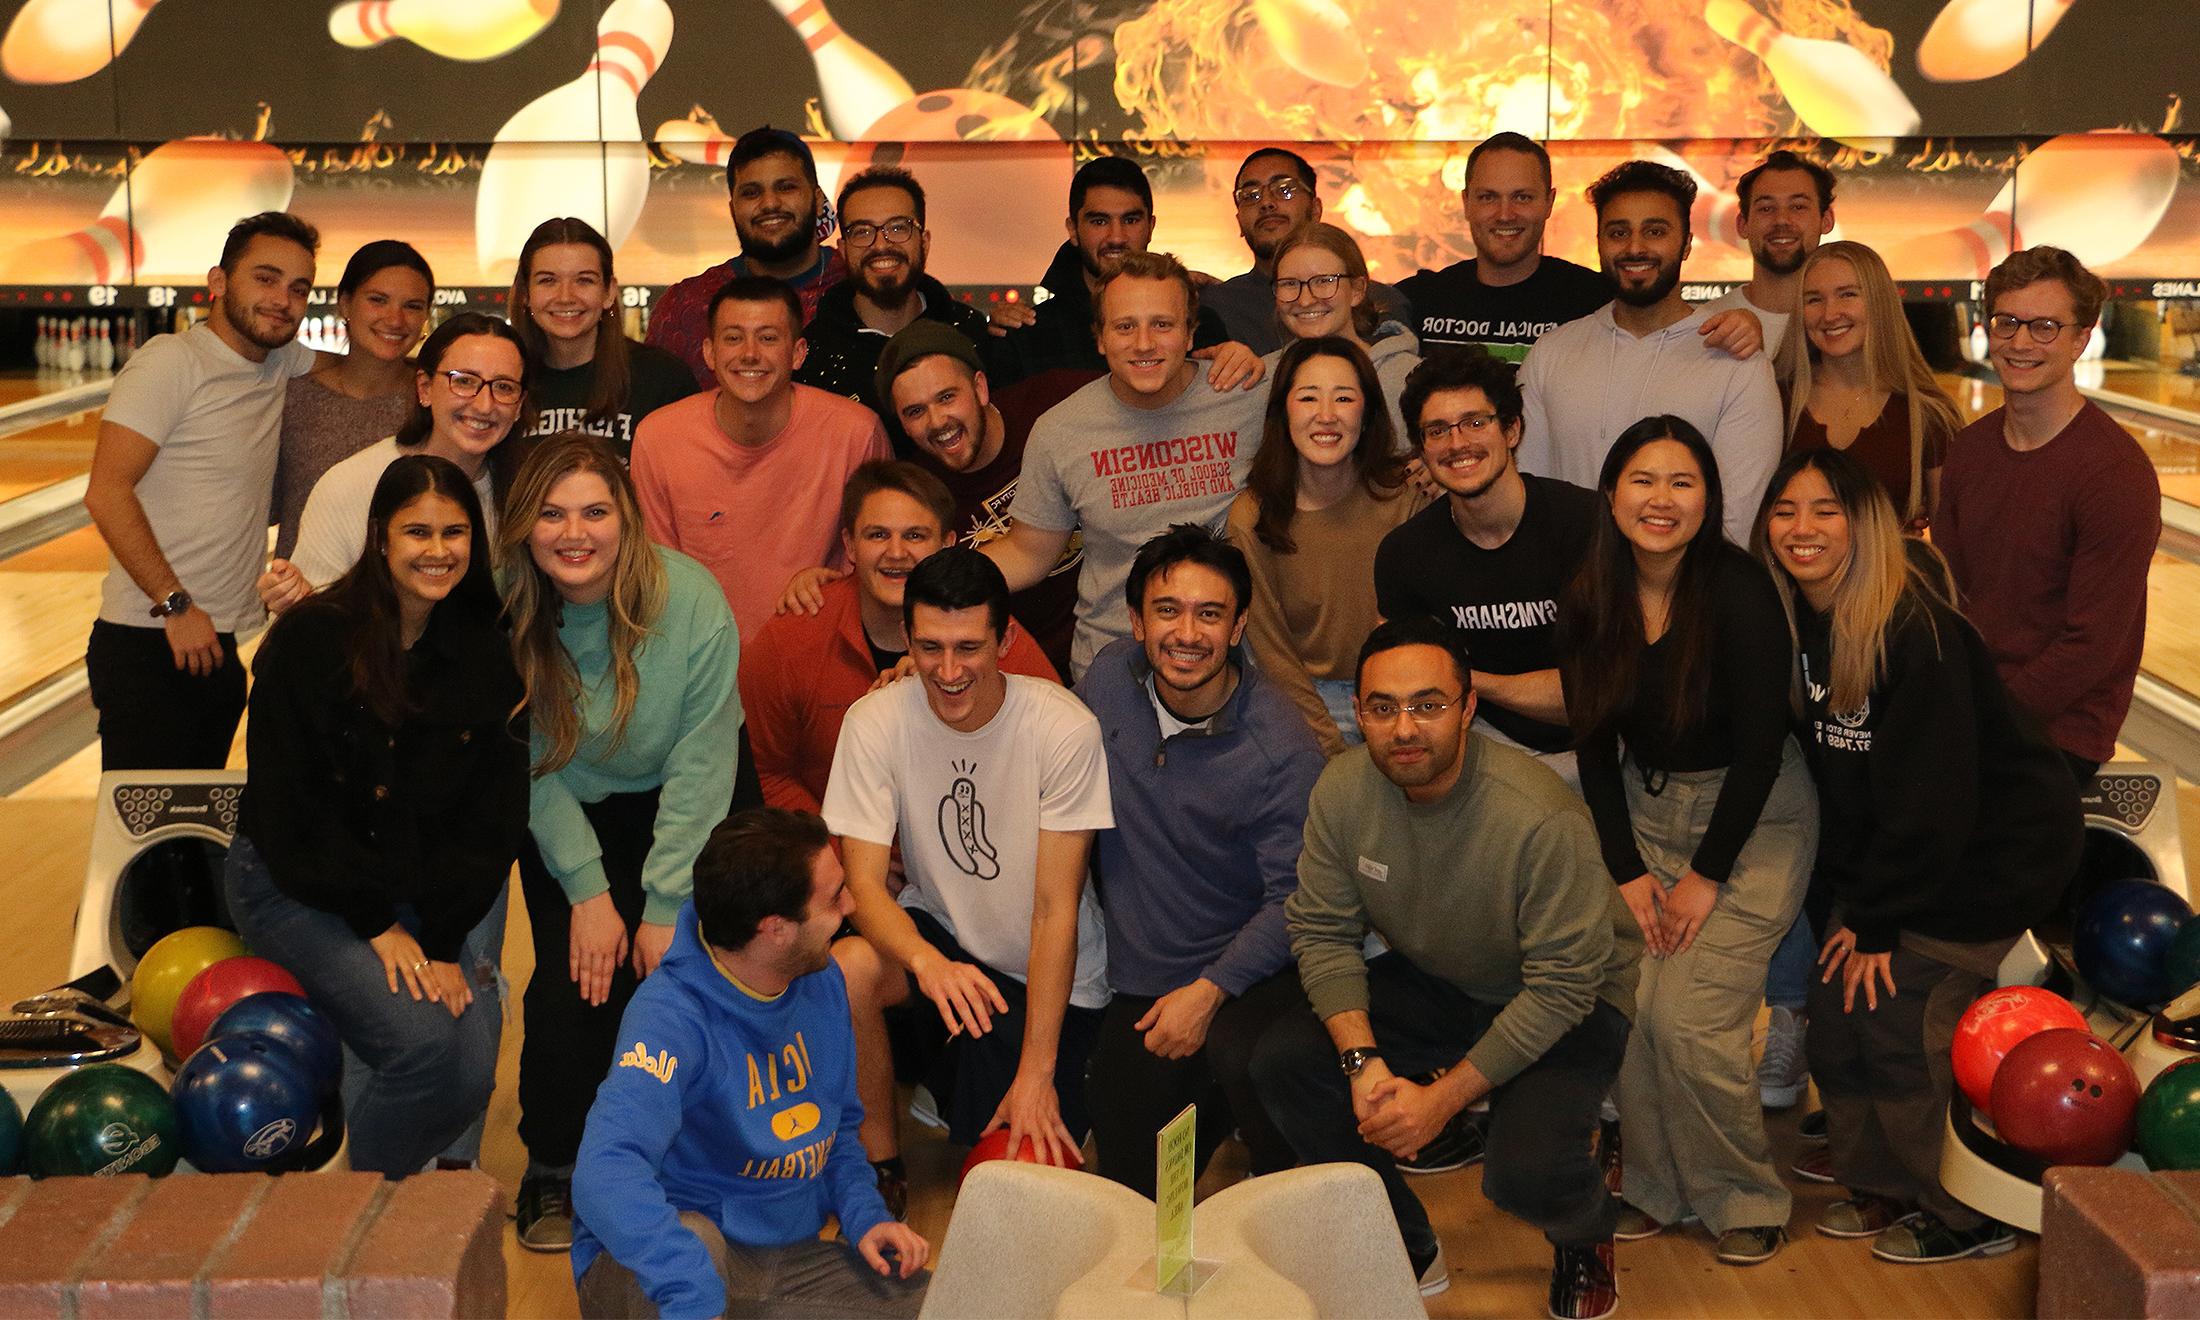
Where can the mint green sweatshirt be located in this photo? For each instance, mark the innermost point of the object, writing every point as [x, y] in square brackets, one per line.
[1497, 888]
[683, 735]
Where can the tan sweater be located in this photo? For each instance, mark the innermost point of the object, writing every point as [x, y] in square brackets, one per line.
[1313, 608]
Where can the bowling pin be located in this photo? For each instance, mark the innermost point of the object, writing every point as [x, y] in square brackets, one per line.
[42, 343]
[533, 163]
[696, 141]
[74, 359]
[473, 30]
[183, 196]
[58, 41]
[1717, 214]
[1973, 39]
[856, 86]
[1833, 88]
[1315, 38]
[2097, 196]
[103, 348]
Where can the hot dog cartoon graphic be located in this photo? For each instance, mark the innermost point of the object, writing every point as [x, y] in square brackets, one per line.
[962, 826]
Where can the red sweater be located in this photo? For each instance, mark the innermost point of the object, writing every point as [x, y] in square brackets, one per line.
[2051, 548]
[798, 679]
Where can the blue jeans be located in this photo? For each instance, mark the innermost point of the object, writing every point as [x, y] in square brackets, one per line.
[428, 1075]
[1338, 696]
[1787, 976]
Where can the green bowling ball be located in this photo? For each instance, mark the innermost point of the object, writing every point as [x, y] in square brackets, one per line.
[102, 1119]
[11, 1134]
[2169, 1119]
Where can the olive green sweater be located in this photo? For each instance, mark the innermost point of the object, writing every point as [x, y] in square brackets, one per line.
[1497, 888]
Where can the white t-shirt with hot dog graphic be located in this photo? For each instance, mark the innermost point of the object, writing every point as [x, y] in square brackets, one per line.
[967, 809]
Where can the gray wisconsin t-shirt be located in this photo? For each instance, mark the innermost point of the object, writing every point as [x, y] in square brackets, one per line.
[1123, 475]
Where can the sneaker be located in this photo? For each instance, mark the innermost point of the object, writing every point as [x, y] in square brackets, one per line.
[1430, 1273]
[1462, 1142]
[1924, 1238]
[1814, 1165]
[1783, 1074]
[1608, 1156]
[1860, 1216]
[1582, 1284]
[1751, 1246]
[893, 1186]
[1813, 1126]
[925, 1109]
[1635, 1225]
[545, 1213]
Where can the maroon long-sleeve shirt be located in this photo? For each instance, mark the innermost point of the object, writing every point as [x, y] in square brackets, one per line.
[2051, 547]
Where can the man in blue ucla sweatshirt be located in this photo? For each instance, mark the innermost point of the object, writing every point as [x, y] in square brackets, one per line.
[726, 1132]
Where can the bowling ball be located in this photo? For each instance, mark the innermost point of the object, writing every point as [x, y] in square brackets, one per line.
[215, 989]
[11, 1134]
[994, 1146]
[2067, 1097]
[102, 1119]
[167, 968]
[245, 1104]
[2181, 968]
[2169, 1119]
[960, 114]
[297, 1024]
[2123, 940]
[1993, 1025]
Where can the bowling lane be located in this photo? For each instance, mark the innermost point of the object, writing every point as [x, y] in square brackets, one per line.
[48, 599]
[47, 451]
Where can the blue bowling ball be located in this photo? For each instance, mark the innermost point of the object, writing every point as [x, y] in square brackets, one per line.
[2123, 940]
[245, 1104]
[297, 1024]
[11, 1134]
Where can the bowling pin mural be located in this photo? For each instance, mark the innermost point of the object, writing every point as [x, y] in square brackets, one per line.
[454, 29]
[1833, 88]
[695, 141]
[166, 222]
[1316, 38]
[1973, 39]
[58, 41]
[1717, 214]
[2097, 196]
[855, 85]
[537, 159]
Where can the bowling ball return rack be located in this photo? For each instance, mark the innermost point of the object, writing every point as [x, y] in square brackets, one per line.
[2131, 834]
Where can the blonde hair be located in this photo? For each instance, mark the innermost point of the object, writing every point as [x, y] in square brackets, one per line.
[1892, 361]
[533, 607]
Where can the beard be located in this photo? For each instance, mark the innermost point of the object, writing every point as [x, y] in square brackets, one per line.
[793, 244]
[1653, 293]
[1782, 265]
[240, 321]
[894, 291]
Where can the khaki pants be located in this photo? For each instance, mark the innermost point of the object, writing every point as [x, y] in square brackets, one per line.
[1690, 1119]
[808, 1280]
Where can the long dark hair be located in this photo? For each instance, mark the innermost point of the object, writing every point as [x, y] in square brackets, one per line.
[1601, 627]
[612, 376]
[504, 459]
[1274, 476]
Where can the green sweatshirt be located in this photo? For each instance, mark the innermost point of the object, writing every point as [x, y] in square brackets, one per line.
[1498, 888]
[683, 735]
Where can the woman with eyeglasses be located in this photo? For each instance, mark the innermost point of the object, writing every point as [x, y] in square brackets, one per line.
[1856, 380]
[470, 391]
[1950, 826]
[1321, 289]
[1325, 487]
[590, 377]
[1675, 659]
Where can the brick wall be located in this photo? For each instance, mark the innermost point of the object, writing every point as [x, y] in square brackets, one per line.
[340, 1245]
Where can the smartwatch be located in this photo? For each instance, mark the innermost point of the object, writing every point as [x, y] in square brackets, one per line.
[172, 604]
[1352, 1060]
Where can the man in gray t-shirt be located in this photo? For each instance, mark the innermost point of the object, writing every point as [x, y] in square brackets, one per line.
[1149, 445]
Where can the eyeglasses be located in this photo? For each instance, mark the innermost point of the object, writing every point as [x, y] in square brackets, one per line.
[465, 384]
[1472, 424]
[2044, 328]
[1422, 712]
[863, 233]
[1322, 286]
[1283, 190]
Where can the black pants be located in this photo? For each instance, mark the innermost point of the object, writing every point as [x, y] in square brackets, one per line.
[1542, 1165]
[1134, 1093]
[154, 716]
[2083, 770]
[569, 1043]
[970, 1075]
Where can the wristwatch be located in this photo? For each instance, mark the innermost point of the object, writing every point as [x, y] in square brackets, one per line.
[172, 604]
[1353, 1060]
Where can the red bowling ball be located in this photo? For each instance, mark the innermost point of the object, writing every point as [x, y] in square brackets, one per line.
[212, 991]
[1994, 1025]
[2067, 1097]
[994, 1146]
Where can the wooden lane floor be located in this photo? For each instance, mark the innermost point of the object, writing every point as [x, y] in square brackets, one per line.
[51, 452]
[48, 599]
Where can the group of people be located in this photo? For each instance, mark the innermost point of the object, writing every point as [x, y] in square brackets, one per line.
[1483, 696]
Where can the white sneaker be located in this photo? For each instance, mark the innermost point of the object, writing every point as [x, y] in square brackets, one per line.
[1436, 1277]
[1783, 1075]
[925, 1109]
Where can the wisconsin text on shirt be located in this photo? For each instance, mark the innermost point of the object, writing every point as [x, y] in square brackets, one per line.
[1187, 467]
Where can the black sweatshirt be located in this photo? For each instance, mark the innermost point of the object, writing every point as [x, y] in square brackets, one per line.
[1743, 728]
[355, 818]
[1943, 808]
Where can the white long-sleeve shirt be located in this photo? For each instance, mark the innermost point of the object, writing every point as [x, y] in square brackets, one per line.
[1588, 380]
